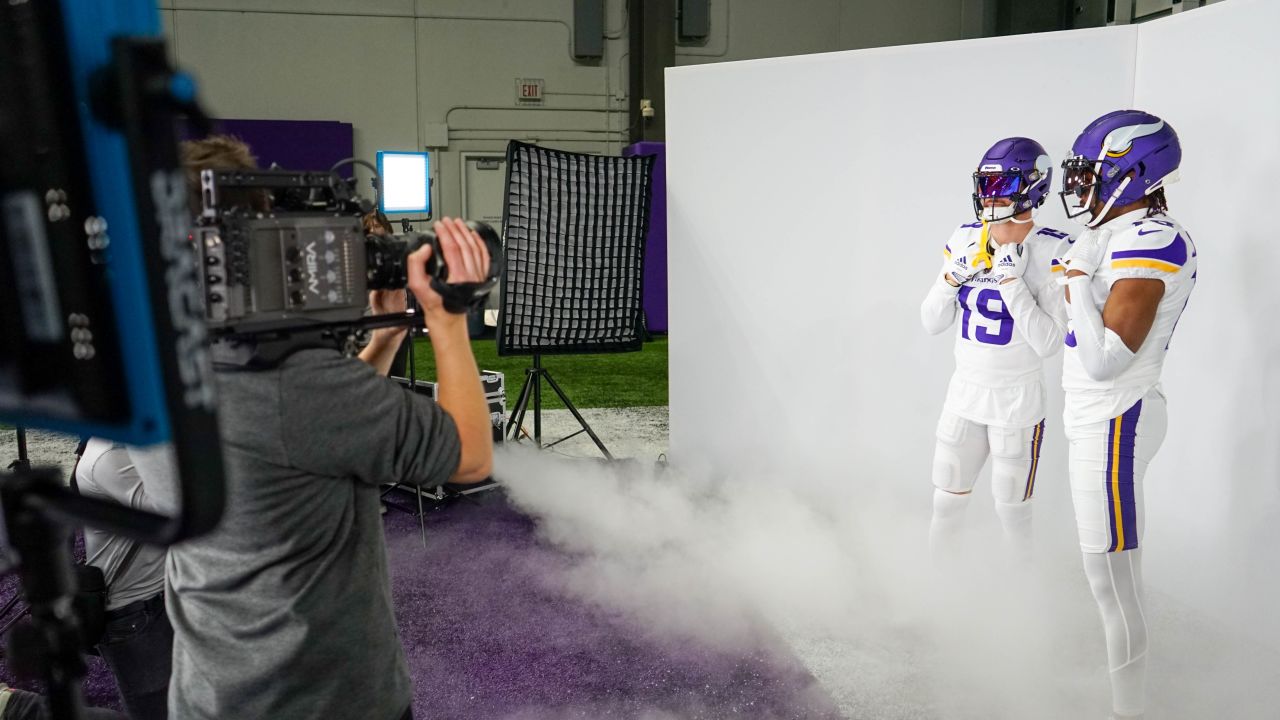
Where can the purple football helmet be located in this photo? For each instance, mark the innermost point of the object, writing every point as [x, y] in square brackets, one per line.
[1120, 158]
[1015, 168]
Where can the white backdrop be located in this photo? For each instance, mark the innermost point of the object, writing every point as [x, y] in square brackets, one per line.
[809, 198]
[1217, 494]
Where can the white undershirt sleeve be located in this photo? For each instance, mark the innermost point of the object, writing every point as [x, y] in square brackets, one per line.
[1102, 352]
[938, 310]
[1041, 329]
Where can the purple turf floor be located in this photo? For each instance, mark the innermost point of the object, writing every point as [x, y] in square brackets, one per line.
[490, 633]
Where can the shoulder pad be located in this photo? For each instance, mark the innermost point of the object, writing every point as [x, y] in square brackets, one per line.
[1055, 234]
[1149, 243]
[962, 238]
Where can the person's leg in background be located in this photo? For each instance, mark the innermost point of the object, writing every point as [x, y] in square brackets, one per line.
[138, 647]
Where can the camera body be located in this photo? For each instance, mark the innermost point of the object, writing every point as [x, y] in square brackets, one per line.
[273, 271]
[285, 254]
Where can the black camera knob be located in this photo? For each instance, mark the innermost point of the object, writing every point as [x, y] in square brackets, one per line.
[295, 275]
[292, 254]
[298, 298]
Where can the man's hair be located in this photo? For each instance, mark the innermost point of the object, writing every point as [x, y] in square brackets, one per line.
[220, 152]
[1157, 204]
[375, 219]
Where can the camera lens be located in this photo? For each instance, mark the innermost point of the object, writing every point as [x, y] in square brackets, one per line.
[387, 265]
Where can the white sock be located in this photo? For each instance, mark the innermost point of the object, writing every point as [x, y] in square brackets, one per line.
[1115, 579]
[948, 518]
[1015, 518]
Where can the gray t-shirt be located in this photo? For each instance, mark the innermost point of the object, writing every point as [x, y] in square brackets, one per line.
[106, 472]
[285, 610]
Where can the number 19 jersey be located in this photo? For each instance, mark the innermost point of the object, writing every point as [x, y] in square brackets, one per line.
[998, 379]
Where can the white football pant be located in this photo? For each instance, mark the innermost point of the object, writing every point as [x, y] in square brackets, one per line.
[1108, 460]
[961, 451]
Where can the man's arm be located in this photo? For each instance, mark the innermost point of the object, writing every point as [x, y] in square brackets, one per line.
[1131, 308]
[459, 392]
[384, 343]
[1108, 341]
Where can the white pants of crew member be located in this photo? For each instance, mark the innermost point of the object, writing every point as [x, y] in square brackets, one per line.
[1108, 461]
[961, 451]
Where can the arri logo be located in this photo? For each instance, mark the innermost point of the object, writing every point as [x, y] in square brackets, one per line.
[313, 282]
[182, 285]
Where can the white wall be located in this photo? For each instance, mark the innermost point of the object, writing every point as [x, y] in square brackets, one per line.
[1211, 73]
[396, 69]
[805, 230]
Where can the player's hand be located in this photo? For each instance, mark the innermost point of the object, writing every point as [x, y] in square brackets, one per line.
[465, 254]
[1086, 253]
[1010, 261]
[963, 265]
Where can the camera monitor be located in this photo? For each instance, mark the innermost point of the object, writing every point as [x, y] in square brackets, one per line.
[406, 184]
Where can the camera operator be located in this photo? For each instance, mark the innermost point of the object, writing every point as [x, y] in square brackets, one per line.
[284, 611]
[382, 302]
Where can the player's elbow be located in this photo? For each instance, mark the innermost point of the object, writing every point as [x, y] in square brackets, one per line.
[933, 324]
[1048, 349]
[1101, 371]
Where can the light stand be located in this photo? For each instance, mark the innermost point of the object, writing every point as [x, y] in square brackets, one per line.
[533, 378]
[574, 229]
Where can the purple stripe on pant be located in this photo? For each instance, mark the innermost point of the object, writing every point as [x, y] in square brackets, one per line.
[1124, 535]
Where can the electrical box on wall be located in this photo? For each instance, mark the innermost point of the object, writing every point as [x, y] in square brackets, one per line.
[588, 29]
[693, 18]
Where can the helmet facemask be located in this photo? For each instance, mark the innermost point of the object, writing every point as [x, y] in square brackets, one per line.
[1011, 185]
[1082, 189]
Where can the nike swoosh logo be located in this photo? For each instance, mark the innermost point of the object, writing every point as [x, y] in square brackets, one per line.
[1148, 232]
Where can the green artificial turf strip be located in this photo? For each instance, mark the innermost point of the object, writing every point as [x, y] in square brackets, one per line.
[634, 379]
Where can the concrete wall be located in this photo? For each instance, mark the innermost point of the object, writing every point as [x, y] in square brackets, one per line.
[401, 70]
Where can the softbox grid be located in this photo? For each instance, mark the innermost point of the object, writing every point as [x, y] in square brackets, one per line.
[575, 227]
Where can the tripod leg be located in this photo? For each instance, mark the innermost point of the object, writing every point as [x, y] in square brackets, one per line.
[422, 517]
[522, 404]
[565, 399]
[537, 402]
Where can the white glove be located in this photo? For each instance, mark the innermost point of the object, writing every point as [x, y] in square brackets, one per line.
[1010, 260]
[964, 264]
[1087, 251]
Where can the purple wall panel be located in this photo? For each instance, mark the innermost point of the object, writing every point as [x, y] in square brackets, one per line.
[295, 144]
[655, 260]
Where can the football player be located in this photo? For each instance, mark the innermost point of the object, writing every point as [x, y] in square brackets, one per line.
[997, 279]
[1128, 278]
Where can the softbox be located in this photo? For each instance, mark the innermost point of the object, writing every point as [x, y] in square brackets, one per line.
[575, 228]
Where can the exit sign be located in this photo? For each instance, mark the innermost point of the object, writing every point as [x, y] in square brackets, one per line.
[529, 91]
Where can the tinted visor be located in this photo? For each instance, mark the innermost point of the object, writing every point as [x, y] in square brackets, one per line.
[997, 185]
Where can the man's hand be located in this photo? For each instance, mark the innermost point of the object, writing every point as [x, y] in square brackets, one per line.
[1010, 261]
[387, 302]
[1087, 252]
[963, 266]
[384, 342]
[464, 253]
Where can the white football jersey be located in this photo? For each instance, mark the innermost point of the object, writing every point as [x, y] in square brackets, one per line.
[1139, 247]
[998, 378]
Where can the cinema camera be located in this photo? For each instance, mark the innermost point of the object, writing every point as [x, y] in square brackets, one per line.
[304, 267]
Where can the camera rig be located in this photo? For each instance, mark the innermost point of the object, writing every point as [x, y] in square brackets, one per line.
[287, 264]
